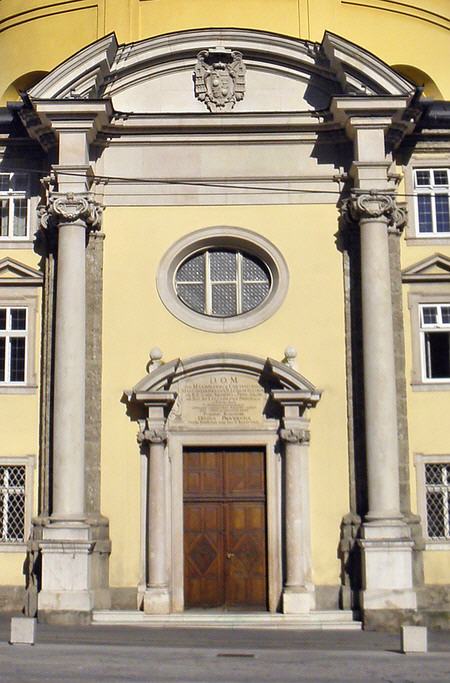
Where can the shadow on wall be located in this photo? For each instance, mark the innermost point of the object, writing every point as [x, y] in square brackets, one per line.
[25, 82]
[419, 78]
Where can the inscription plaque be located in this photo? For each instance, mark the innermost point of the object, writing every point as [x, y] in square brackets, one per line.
[219, 399]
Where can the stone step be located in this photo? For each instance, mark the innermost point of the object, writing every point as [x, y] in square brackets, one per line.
[324, 620]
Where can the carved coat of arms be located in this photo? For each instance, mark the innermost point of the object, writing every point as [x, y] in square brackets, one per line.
[219, 78]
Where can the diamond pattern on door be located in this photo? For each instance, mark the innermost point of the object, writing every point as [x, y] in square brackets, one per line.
[202, 554]
[224, 528]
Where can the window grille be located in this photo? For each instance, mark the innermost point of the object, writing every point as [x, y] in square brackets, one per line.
[432, 190]
[14, 199]
[12, 503]
[437, 488]
[13, 344]
[222, 283]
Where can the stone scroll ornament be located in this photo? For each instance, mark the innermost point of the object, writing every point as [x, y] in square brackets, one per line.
[219, 79]
[70, 208]
[148, 434]
[300, 436]
[370, 205]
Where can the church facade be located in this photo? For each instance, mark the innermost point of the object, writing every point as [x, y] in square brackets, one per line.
[225, 314]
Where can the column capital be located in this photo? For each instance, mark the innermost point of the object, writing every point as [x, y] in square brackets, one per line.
[374, 204]
[70, 207]
[298, 436]
[151, 435]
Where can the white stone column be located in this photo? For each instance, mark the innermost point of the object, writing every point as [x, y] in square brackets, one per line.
[386, 545]
[156, 596]
[375, 213]
[298, 595]
[72, 215]
[68, 587]
[74, 545]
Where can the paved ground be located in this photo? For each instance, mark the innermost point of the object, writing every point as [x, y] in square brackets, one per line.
[112, 654]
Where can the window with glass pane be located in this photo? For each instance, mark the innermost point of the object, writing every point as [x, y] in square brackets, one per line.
[437, 488]
[13, 344]
[435, 332]
[222, 283]
[12, 503]
[432, 191]
[14, 200]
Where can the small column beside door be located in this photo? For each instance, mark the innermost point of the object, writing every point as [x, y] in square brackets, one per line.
[298, 590]
[153, 438]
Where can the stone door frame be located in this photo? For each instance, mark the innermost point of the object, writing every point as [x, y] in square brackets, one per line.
[267, 440]
[284, 435]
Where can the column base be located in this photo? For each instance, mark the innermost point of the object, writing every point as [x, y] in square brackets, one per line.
[74, 569]
[297, 601]
[386, 550]
[156, 601]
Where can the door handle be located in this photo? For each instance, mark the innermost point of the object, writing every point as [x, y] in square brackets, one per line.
[230, 556]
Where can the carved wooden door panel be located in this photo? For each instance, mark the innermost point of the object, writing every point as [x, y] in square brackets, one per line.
[224, 528]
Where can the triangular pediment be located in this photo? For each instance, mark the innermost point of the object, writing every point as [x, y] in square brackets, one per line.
[435, 268]
[13, 272]
[267, 72]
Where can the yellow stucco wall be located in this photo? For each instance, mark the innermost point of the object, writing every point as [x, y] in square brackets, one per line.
[135, 240]
[77, 23]
[19, 414]
[436, 566]
[19, 426]
[130, 268]
[427, 412]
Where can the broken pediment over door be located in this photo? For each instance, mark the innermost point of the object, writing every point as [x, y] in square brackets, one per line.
[220, 71]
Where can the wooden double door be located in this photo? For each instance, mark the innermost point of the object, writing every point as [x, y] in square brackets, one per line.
[225, 528]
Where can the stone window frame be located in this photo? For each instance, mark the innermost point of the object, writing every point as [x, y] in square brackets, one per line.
[17, 297]
[230, 237]
[29, 462]
[420, 460]
[412, 236]
[426, 295]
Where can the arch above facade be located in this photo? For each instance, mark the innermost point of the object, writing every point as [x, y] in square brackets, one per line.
[153, 74]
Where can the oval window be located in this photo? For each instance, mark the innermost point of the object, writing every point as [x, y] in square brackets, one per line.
[222, 279]
[222, 283]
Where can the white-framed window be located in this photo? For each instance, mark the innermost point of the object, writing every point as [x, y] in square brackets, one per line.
[433, 491]
[222, 279]
[435, 341]
[432, 201]
[19, 299]
[13, 344]
[222, 282]
[14, 207]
